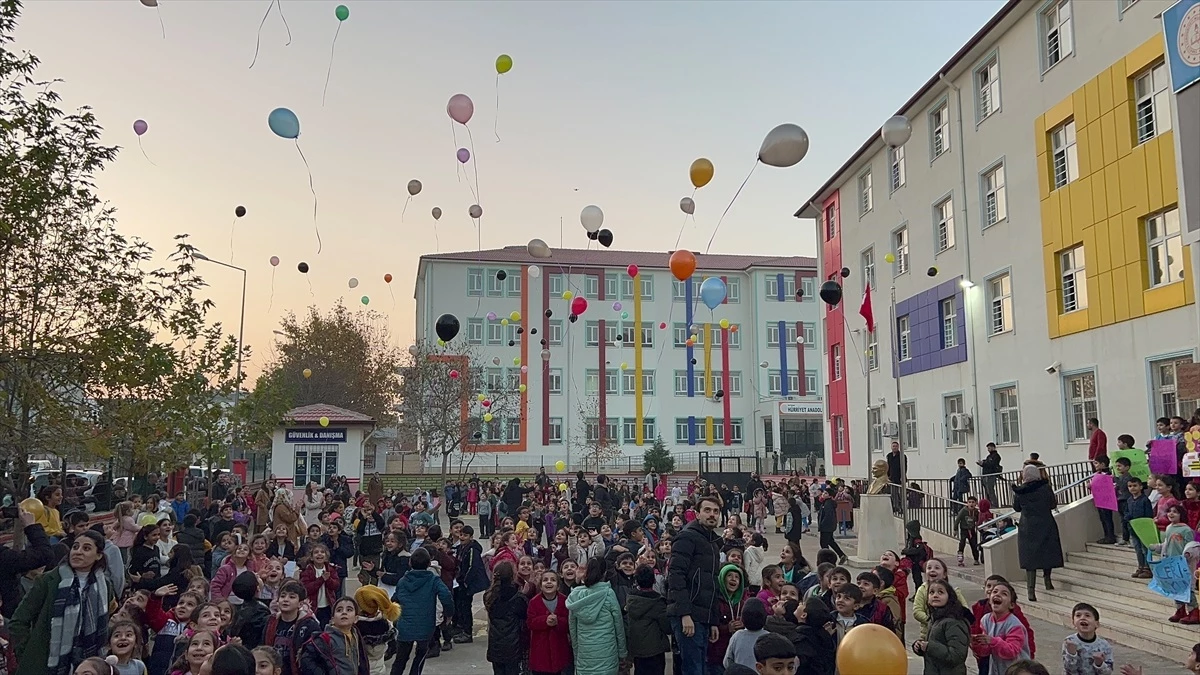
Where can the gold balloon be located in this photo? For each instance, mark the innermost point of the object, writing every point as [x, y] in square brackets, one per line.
[871, 649]
[487, 417]
[701, 172]
[307, 373]
[567, 295]
[515, 316]
[560, 466]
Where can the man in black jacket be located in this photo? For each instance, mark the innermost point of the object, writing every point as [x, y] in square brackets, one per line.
[13, 564]
[692, 585]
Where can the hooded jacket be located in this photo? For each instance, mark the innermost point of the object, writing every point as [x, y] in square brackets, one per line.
[418, 593]
[549, 646]
[649, 626]
[471, 572]
[915, 548]
[597, 631]
[729, 608]
[507, 632]
[377, 632]
[37, 553]
[253, 614]
[651, 534]
[692, 575]
[815, 646]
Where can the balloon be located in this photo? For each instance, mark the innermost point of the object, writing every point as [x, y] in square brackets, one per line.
[501, 275]
[567, 295]
[701, 172]
[579, 306]
[562, 487]
[515, 316]
[239, 211]
[387, 278]
[694, 329]
[464, 155]
[545, 354]
[284, 123]
[682, 264]
[274, 261]
[365, 300]
[414, 187]
[591, 217]
[662, 325]
[889, 258]
[624, 365]
[495, 360]
[605, 238]
[871, 649]
[932, 271]
[831, 293]
[353, 283]
[460, 108]
[524, 369]
[687, 205]
[724, 323]
[441, 342]
[624, 315]
[487, 417]
[446, 327]
[537, 248]
[454, 374]
[689, 342]
[139, 126]
[150, 3]
[521, 387]
[324, 421]
[896, 131]
[342, 12]
[504, 322]
[572, 318]
[712, 292]
[482, 399]
[632, 270]
[616, 306]
[437, 213]
[535, 271]
[503, 64]
[593, 235]
[476, 211]
[486, 403]
[560, 466]
[307, 373]
[784, 146]
[303, 267]
[491, 316]
[516, 360]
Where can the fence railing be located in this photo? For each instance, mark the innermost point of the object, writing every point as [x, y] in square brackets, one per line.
[934, 512]
[500, 463]
[997, 488]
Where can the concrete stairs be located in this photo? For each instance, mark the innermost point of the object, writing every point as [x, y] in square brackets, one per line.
[1131, 615]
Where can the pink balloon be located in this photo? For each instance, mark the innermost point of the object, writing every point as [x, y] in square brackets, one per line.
[632, 270]
[464, 155]
[578, 305]
[274, 261]
[460, 108]
[524, 369]
[140, 127]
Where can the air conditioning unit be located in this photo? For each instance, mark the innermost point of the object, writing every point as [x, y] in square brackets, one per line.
[960, 422]
[891, 429]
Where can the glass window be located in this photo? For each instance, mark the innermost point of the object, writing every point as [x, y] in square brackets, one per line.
[953, 405]
[995, 203]
[512, 429]
[896, 164]
[835, 356]
[943, 222]
[1064, 155]
[591, 333]
[1056, 35]
[908, 426]
[830, 222]
[495, 285]
[474, 331]
[513, 337]
[556, 431]
[1000, 308]
[555, 335]
[810, 382]
[867, 264]
[875, 424]
[627, 287]
[1008, 415]
[807, 288]
[315, 463]
[629, 430]
[474, 281]
[949, 323]
[591, 382]
[556, 380]
[610, 286]
[900, 250]
[647, 286]
[591, 287]
[987, 88]
[494, 378]
[1165, 248]
[649, 429]
[865, 200]
[1082, 404]
[939, 130]
[1073, 271]
[1163, 376]
[681, 382]
[513, 283]
[902, 329]
[733, 290]
[1153, 91]
[558, 284]
[873, 350]
[612, 381]
[495, 333]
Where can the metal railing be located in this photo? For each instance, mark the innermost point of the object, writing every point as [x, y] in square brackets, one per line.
[997, 488]
[934, 512]
[520, 463]
[1072, 492]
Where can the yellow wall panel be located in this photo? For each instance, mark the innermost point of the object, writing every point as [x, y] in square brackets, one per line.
[1052, 314]
[1099, 197]
[1189, 292]
[1117, 255]
[1124, 128]
[1166, 164]
[1095, 141]
[1149, 53]
[1069, 231]
[1163, 298]
[1060, 113]
[1122, 86]
[1153, 169]
[1039, 135]
[1108, 140]
[1052, 219]
[1079, 106]
[1132, 170]
[1081, 203]
[1131, 237]
[1105, 291]
[1112, 189]
[1043, 176]
[1075, 322]
[1091, 91]
[1133, 289]
[1098, 247]
[1121, 309]
[1104, 83]
[1090, 154]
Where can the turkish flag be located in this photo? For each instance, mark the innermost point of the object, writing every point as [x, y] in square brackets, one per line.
[865, 310]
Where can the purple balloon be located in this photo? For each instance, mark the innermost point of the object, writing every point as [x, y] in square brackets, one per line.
[616, 306]
[491, 316]
[464, 155]
[140, 127]
[460, 108]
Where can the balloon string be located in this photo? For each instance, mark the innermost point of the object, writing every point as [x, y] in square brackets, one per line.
[496, 120]
[232, 230]
[474, 164]
[310, 290]
[457, 164]
[271, 302]
[731, 201]
[161, 25]
[332, 51]
[437, 242]
[680, 235]
[279, 6]
[144, 152]
[393, 297]
[406, 201]
[314, 194]
[258, 37]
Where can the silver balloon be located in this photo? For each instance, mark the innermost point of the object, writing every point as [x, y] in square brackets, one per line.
[437, 213]
[896, 131]
[535, 271]
[764, 364]
[476, 211]
[694, 329]
[537, 248]
[591, 217]
[784, 146]
[412, 350]
[353, 282]
[495, 360]
[545, 354]
[414, 187]
[687, 205]
[150, 3]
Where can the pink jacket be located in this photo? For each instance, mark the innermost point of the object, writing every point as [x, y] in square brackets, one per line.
[222, 582]
[125, 533]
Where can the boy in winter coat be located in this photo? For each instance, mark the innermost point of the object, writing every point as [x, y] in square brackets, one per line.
[418, 593]
[339, 649]
[731, 598]
[377, 616]
[471, 577]
[916, 550]
[290, 628]
[252, 614]
[649, 626]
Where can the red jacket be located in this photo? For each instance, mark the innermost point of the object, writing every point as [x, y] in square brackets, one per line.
[549, 646]
[312, 583]
[900, 582]
[983, 607]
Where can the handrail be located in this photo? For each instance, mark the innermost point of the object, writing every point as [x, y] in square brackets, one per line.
[1056, 493]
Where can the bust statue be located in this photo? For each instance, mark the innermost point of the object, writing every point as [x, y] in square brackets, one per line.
[879, 471]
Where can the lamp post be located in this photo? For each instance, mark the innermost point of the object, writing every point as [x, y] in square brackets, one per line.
[237, 396]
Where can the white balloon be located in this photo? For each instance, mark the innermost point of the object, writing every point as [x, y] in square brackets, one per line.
[412, 349]
[414, 187]
[896, 131]
[437, 213]
[687, 205]
[495, 360]
[537, 248]
[535, 271]
[545, 354]
[591, 217]
[784, 146]
[353, 282]
[476, 211]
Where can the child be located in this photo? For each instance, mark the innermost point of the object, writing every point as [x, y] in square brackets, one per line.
[200, 646]
[507, 610]
[814, 638]
[946, 648]
[168, 625]
[984, 605]
[377, 616]
[1121, 480]
[773, 655]
[916, 550]
[1191, 504]
[1003, 639]
[754, 557]
[838, 577]
[742, 642]
[873, 609]
[967, 521]
[549, 642]
[252, 614]
[418, 593]
[731, 599]
[1100, 466]
[125, 643]
[818, 589]
[321, 580]
[1165, 501]
[339, 649]
[935, 569]
[266, 661]
[1176, 536]
[288, 630]
[846, 601]
[649, 628]
[1138, 507]
[772, 580]
[1030, 667]
[1084, 653]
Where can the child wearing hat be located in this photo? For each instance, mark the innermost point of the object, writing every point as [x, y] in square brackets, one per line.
[377, 616]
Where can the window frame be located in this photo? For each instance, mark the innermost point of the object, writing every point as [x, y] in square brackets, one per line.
[554, 332]
[901, 251]
[909, 423]
[903, 339]
[875, 429]
[555, 436]
[1159, 100]
[1164, 242]
[951, 438]
[998, 192]
[475, 331]
[1070, 154]
[555, 376]
[948, 316]
[494, 287]
[1069, 403]
[1078, 275]
[1160, 389]
[944, 238]
[1048, 23]
[835, 358]
[897, 177]
[1003, 300]
[1006, 418]
[494, 333]
[866, 193]
[992, 85]
[939, 129]
[866, 263]
[873, 350]
[474, 274]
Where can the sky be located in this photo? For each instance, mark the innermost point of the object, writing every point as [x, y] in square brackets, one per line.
[608, 103]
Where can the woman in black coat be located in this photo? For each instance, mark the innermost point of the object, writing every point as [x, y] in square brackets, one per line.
[507, 608]
[1038, 545]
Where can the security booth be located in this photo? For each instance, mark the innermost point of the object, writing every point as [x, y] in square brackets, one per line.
[316, 442]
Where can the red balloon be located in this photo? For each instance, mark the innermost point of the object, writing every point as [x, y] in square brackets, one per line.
[662, 324]
[387, 278]
[487, 404]
[633, 270]
[454, 374]
[578, 305]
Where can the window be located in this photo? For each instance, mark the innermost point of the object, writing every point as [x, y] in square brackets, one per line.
[494, 378]
[591, 334]
[591, 382]
[1008, 417]
[495, 333]
[839, 434]
[1125, 4]
[649, 429]
[908, 425]
[647, 334]
[902, 329]
[735, 383]
[474, 331]
[830, 222]
[1166, 248]
[1074, 279]
[369, 459]
[1163, 378]
[865, 203]
[1153, 92]
[1000, 304]
[514, 338]
[629, 428]
[1056, 33]
[1082, 404]
[556, 378]
[953, 405]
[612, 381]
[680, 333]
[610, 286]
[810, 334]
[513, 377]
[939, 130]
[681, 430]
[733, 290]
[610, 333]
[513, 284]
[647, 287]
[789, 287]
[558, 284]
[648, 382]
[556, 431]
[808, 291]
[943, 223]
[995, 201]
[775, 383]
[316, 463]
[867, 264]
[627, 287]
[949, 324]
[591, 287]
[512, 429]
[875, 424]
[555, 333]
[1065, 155]
[490, 431]
[495, 286]
[900, 250]
[810, 382]
[735, 338]
[681, 382]
[474, 281]
[896, 167]
[987, 88]
[835, 356]
[627, 333]
[873, 350]
[773, 334]
[629, 381]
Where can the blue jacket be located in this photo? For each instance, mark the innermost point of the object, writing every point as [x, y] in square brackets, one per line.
[418, 594]
[471, 572]
[1139, 508]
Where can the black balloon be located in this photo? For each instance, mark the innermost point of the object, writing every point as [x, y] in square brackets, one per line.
[549, 313]
[239, 211]
[573, 318]
[593, 236]
[303, 267]
[512, 343]
[605, 238]
[845, 272]
[520, 329]
[446, 327]
[533, 331]
[932, 271]
[543, 342]
[831, 293]
[501, 275]
[693, 362]
[799, 294]
[720, 393]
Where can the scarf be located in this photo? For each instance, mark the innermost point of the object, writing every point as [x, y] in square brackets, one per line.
[78, 620]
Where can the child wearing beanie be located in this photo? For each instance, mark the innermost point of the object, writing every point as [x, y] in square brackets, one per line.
[377, 616]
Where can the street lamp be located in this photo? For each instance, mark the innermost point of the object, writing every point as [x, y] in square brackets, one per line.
[241, 322]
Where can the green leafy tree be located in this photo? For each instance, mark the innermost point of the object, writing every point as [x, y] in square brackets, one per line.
[657, 458]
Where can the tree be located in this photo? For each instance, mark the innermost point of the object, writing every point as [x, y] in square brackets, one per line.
[350, 358]
[657, 459]
[586, 440]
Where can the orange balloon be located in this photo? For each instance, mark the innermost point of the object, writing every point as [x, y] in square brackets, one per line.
[683, 263]
[387, 278]
[871, 649]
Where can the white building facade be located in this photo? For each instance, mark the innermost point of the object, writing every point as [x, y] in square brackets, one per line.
[749, 381]
[1038, 273]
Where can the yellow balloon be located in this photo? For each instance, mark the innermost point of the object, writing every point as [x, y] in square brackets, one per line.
[624, 365]
[324, 421]
[34, 506]
[701, 172]
[560, 466]
[503, 64]
[522, 388]
[503, 322]
[724, 323]
[871, 649]
[480, 397]
[562, 487]
[441, 342]
[487, 417]
[307, 373]
[516, 360]
[567, 295]
[515, 316]
[889, 258]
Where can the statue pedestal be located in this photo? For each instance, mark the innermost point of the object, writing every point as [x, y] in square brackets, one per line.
[876, 529]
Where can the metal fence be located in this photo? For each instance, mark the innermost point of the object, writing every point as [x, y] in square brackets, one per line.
[521, 463]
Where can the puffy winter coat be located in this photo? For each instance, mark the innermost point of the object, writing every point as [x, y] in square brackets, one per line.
[376, 632]
[692, 574]
[418, 593]
[597, 631]
[648, 624]
[507, 632]
[549, 646]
